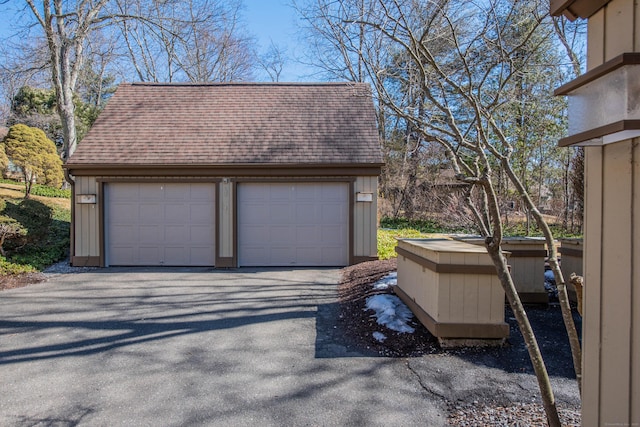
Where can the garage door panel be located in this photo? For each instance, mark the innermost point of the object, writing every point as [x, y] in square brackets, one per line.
[200, 256]
[159, 224]
[280, 214]
[281, 224]
[331, 214]
[306, 235]
[175, 233]
[148, 212]
[176, 192]
[203, 194]
[125, 214]
[149, 255]
[279, 193]
[176, 213]
[200, 214]
[123, 232]
[306, 214]
[149, 234]
[331, 236]
[175, 256]
[121, 254]
[152, 192]
[200, 235]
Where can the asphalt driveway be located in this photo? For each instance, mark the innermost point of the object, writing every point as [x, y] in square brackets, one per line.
[179, 347]
[247, 347]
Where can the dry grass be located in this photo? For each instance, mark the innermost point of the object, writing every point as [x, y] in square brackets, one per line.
[16, 191]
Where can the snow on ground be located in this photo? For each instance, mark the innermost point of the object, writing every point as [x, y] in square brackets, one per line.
[390, 311]
[387, 281]
[379, 336]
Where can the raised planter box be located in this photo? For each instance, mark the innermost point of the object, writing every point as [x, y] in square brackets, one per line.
[527, 265]
[453, 289]
[570, 262]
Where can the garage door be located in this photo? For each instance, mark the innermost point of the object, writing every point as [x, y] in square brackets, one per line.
[152, 224]
[285, 224]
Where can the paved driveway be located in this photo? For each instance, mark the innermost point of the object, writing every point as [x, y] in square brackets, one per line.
[178, 347]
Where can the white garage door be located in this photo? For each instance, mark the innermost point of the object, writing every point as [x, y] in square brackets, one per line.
[301, 224]
[160, 224]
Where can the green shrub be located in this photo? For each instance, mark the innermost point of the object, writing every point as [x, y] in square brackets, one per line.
[34, 216]
[422, 225]
[387, 240]
[45, 239]
[43, 190]
[9, 268]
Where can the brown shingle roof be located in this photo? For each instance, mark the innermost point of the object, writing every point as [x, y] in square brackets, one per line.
[238, 123]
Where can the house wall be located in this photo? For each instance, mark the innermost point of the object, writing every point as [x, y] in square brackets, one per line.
[365, 220]
[611, 324]
[226, 223]
[86, 223]
[89, 235]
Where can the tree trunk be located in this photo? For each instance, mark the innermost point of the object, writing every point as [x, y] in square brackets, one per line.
[563, 297]
[520, 314]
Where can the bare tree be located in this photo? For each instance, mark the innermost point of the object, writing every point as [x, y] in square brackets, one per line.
[66, 29]
[272, 61]
[196, 40]
[455, 74]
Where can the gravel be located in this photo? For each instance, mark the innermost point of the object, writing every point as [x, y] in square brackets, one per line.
[64, 267]
[493, 405]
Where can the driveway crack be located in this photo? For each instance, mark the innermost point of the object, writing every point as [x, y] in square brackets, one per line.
[424, 386]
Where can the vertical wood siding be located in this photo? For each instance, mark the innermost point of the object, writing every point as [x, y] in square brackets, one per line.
[225, 218]
[366, 218]
[611, 326]
[86, 221]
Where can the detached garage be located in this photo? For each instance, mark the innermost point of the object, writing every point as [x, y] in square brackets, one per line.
[228, 175]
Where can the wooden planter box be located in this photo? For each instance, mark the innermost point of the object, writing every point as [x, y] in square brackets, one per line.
[527, 257]
[452, 288]
[570, 262]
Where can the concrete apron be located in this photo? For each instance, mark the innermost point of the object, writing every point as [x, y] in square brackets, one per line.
[177, 347]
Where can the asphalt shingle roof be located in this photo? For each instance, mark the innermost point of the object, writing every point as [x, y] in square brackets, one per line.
[236, 123]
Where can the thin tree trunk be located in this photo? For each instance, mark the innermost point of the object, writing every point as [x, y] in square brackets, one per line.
[563, 297]
[548, 399]
[493, 244]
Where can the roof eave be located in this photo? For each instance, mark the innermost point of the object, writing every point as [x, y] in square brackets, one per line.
[574, 9]
[227, 170]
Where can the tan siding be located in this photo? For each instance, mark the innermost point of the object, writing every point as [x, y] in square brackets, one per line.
[365, 218]
[635, 304]
[592, 298]
[611, 337]
[595, 40]
[225, 248]
[616, 281]
[86, 219]
[619, 28]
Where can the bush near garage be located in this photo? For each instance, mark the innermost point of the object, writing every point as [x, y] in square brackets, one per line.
[41, 237]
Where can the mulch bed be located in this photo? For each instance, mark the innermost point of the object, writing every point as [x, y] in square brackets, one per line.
[20, 280]
[358, 323]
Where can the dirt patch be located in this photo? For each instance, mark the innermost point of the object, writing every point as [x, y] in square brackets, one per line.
[20, 280]
[359, 324]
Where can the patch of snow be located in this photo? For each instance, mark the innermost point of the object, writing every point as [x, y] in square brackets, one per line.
[387, 281]
[549, 277]
[550, 284]
[379, 336]
[391, 312]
